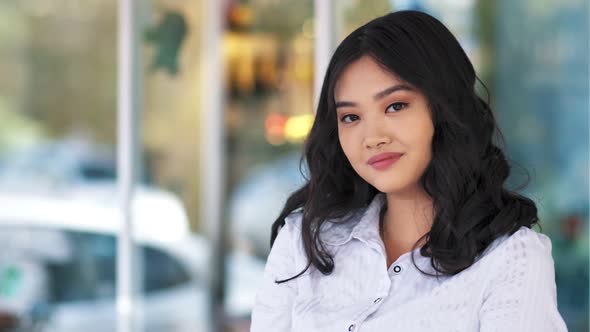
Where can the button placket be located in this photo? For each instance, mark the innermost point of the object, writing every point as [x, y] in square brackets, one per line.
[361, 316]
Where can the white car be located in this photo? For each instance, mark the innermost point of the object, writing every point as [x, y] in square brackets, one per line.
[58, 263]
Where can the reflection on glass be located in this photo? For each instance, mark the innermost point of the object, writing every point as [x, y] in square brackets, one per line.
[269, 65]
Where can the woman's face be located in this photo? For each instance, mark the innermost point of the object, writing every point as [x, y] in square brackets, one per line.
[377, 113]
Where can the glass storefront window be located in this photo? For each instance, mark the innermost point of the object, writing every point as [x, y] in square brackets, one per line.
[58, 143]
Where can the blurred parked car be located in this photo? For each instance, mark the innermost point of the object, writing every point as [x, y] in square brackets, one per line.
[58, 263]
[258, 200]
[51, 163]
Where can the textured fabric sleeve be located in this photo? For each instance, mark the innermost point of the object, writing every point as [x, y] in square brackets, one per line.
[273, 305]
[521, 295]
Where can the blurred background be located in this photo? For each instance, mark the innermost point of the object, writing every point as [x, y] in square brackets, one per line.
[223, 97]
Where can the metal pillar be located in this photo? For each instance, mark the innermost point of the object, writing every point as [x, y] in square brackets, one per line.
[212, 152]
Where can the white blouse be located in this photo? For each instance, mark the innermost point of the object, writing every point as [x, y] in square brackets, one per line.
[510, 287]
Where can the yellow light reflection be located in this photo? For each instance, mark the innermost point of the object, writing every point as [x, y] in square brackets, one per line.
[297, 127]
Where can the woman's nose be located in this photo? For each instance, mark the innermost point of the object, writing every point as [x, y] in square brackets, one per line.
[376, 141]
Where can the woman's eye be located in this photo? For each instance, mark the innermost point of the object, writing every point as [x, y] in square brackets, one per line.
[343, 119]
[397, 106]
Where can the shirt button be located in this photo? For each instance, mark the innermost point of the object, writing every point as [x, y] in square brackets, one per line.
[351, 327]
[377, 300]
[397, 269]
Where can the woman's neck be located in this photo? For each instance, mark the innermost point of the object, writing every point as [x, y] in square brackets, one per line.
[407, 219]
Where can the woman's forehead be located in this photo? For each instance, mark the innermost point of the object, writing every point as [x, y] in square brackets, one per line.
[364, 75]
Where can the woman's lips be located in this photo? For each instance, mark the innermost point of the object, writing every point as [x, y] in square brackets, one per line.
[384, 160]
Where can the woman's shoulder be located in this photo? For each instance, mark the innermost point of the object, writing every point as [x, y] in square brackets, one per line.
[525, 241]
[288, 239]
[519, 256]
[294, 219]
[521, 276]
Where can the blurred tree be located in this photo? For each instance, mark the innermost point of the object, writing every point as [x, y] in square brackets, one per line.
[168, 37]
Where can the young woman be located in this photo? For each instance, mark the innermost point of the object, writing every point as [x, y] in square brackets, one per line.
[404, 223]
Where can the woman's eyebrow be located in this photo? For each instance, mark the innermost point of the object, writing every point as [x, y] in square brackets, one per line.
[391, 90]
[379, 95]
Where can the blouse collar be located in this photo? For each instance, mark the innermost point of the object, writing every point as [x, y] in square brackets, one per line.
[363, 225]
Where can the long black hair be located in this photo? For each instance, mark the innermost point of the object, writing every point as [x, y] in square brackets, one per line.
[465, 177]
